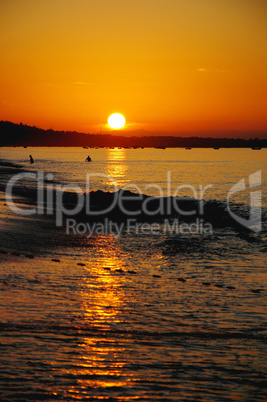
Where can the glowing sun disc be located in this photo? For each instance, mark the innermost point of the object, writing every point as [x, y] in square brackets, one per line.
[116, 121]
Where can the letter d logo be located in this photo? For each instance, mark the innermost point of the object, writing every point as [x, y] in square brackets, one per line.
[254, 220]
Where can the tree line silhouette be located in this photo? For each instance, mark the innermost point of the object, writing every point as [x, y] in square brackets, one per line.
[22, 135]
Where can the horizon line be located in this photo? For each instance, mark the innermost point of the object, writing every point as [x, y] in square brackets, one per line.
[154, 133]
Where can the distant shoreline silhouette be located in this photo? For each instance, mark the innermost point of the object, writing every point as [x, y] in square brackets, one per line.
[23, 135]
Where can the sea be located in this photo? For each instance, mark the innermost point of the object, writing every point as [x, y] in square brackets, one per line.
[172, 308]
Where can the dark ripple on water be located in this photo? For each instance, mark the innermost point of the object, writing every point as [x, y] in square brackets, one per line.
[70, 362]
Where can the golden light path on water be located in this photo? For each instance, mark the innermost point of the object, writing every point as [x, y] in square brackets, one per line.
[102, 363]
[116, 166]
[102, 306]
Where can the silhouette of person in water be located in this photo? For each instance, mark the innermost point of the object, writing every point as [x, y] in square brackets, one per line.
[31, 159]
[88, 159]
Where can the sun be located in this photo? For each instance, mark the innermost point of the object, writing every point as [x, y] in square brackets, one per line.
[116, 121]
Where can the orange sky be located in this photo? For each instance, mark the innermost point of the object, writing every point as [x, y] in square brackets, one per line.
[166, 65]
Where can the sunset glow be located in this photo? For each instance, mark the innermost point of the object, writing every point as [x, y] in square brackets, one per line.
[171, 66]
[133, 208]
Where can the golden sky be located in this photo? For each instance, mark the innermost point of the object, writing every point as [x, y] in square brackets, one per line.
[166, 65]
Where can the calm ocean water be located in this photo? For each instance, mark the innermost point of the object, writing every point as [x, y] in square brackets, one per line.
[164, 316]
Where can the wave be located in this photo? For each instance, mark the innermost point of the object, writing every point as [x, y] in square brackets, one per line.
[118, 206]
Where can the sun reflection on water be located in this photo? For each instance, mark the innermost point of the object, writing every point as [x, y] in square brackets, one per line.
[102, 360]
[116, 165]
[102, 307]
